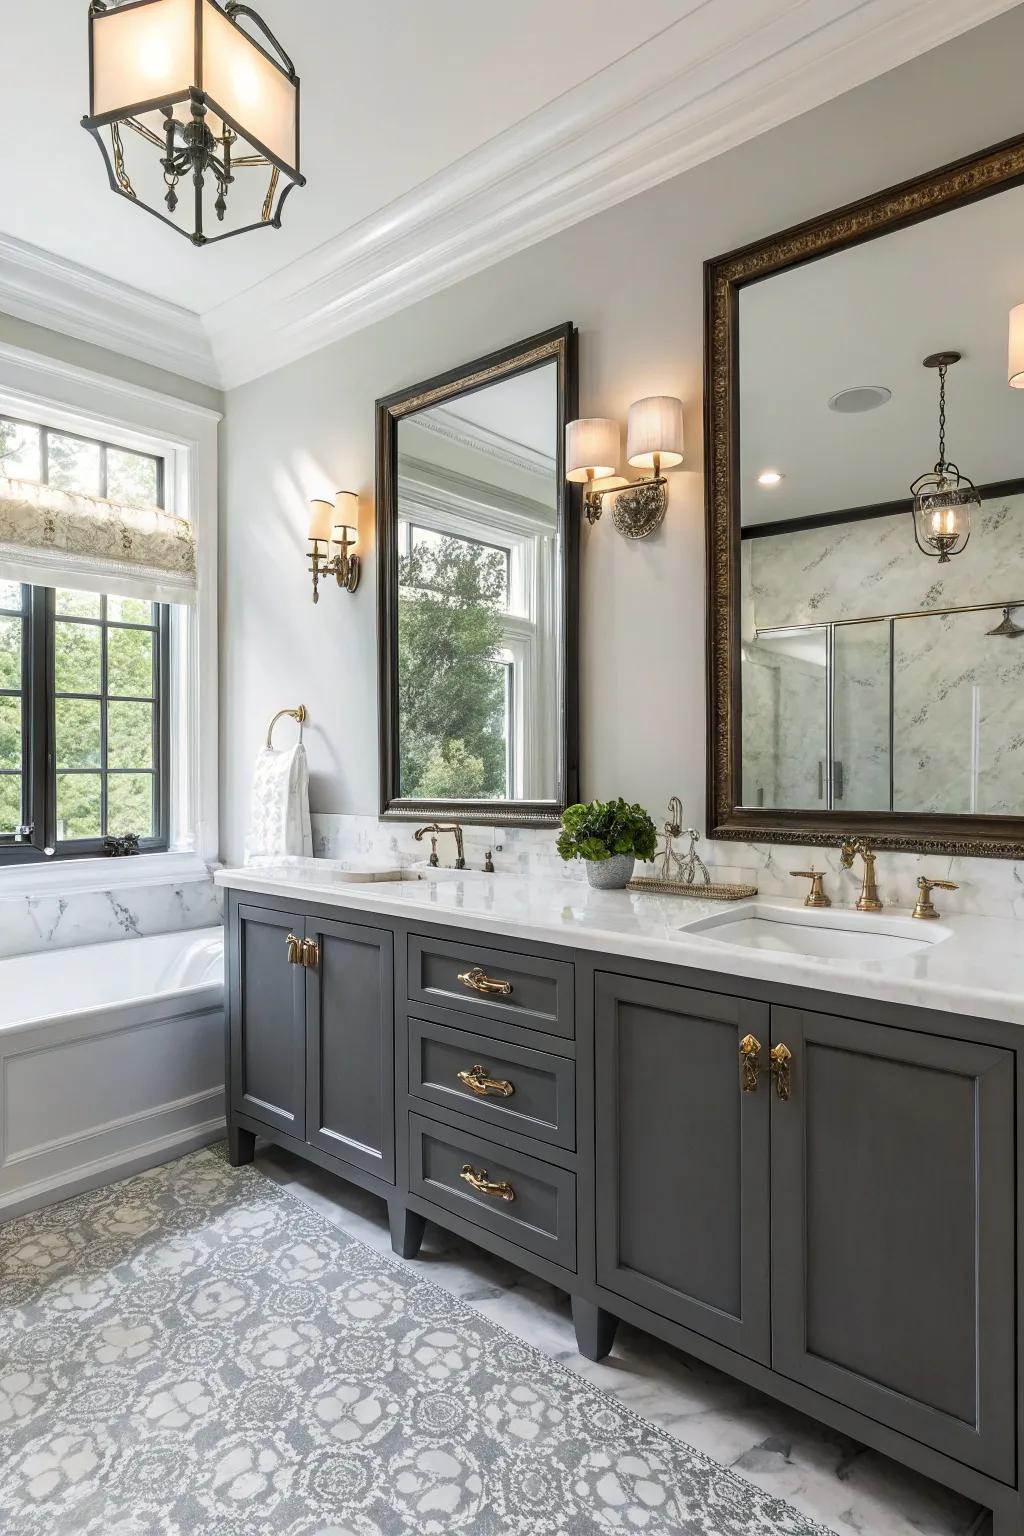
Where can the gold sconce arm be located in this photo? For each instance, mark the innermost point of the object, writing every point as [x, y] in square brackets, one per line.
[343, 566]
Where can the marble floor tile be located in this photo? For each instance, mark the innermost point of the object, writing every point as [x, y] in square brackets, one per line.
[833, 1479]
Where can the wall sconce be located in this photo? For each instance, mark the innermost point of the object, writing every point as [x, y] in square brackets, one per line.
[654, 441]
[334, 522]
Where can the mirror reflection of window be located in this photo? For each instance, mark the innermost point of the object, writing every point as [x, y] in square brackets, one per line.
[873, 678]
[478, 554]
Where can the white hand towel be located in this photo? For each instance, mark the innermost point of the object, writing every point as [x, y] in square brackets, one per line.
[279, 815]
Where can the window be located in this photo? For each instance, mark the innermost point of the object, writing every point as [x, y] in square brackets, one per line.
[84, 678]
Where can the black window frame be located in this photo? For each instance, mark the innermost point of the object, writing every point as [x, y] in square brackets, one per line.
[39, 770]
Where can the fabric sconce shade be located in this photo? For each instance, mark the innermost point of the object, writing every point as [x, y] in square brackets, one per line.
[655, 434]
[346, 515]
[1016, 359]
[321, 520]
[593, 446]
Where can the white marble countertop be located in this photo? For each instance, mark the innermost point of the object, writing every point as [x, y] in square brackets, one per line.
[970, 965]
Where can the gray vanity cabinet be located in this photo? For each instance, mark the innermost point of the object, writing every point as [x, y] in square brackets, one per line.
[682, 1159]
[350, 1100]
[893, 1230]
[267, 1021]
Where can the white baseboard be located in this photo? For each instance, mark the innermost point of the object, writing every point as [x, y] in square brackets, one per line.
[110, 1169]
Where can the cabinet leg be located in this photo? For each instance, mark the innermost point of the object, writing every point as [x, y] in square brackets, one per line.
[241, 1146]
[406, 1230]
[595, 1328]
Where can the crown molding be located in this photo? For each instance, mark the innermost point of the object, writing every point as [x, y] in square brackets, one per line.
[708, 83]
[47, 290]
[716, 78]
[448, 424]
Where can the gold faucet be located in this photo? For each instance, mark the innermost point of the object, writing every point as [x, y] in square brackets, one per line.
[816, 895]
[435, 832]
[925, 907]
[869, 899]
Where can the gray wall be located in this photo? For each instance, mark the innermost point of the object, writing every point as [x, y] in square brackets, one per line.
[631, 280]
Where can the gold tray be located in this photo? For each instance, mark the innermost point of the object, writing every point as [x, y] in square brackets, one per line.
[725, 892]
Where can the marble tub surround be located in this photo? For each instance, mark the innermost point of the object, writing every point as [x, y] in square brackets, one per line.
[41, 921]
[987, 887]
[977, 969]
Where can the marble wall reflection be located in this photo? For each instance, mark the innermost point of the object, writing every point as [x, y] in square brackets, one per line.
[955, 743]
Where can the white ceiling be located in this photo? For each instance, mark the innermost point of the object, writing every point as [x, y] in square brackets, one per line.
[437, 138]
[870, 315]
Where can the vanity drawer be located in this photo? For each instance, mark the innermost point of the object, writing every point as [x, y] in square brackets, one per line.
[542, 1100]
[507, 987]
[540, 1216]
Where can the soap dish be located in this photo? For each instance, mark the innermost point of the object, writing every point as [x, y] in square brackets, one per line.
[710, 892]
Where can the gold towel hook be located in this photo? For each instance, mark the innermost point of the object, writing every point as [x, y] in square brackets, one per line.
[294, 714]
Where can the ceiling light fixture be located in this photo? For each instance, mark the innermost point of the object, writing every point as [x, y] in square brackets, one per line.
[860, 398]
[205, 99]
[769, 477]
[944, 499]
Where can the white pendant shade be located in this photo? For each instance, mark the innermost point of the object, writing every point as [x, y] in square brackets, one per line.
[251, 91]
[655, 432]
[142, 54]
[593, 447]
[1016, 357]
[321, 520]
[346, 514]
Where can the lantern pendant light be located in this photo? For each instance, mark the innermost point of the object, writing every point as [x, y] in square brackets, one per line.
[207, 100]
[944, 499]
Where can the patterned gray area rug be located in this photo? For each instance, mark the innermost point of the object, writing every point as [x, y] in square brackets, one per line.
[198, 1351]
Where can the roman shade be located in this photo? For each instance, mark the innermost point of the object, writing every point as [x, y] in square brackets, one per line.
[54, 538]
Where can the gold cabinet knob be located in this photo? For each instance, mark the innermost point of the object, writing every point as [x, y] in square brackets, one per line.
[478, 980]
[310, 954]
[483, 1185]
[479, 1082]
[781, 1056]
[293, 949]
[750, 1051]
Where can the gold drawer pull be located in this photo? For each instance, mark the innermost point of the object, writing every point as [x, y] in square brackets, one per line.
[310, 954]
[483, 1186]
[479, 981]
[781, 1056]
[750, 1051]
[487, 1087]
[294, 949]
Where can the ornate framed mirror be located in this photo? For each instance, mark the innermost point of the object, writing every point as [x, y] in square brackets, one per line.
[866, 650]
[477, 545]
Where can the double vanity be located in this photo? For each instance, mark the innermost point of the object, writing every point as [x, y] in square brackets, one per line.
[783, 1139]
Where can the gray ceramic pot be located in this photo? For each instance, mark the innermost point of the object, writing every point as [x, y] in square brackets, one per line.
[611, 874]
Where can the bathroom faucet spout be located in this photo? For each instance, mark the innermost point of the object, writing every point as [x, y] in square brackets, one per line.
[869, 899]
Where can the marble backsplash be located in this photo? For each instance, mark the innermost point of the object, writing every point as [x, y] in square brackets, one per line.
[987, 887]
[31, 922]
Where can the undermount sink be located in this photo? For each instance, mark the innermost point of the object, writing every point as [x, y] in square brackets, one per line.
[828, 934]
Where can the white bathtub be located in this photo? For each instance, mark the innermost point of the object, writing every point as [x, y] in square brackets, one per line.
[111, 1060]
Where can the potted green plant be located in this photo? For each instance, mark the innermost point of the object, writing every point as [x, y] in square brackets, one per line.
[609, 835]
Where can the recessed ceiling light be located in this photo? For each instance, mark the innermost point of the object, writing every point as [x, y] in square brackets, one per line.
[769, 477]
[862, 397]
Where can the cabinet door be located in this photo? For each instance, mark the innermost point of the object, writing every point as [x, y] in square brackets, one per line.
[682, 1158]
[893, 1231]
[267, 1021]
[350, 1032]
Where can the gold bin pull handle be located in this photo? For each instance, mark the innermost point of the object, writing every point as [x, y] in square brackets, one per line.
[478, 980]
[781, 1056]
[750, 1051]
[310, 954]
[478, 1080]
[483, 1185]
[294, 949]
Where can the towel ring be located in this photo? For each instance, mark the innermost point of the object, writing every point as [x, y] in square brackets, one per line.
[295, 714]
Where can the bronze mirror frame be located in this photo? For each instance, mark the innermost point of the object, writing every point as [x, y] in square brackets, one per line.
[558, 345]
[965, 181]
